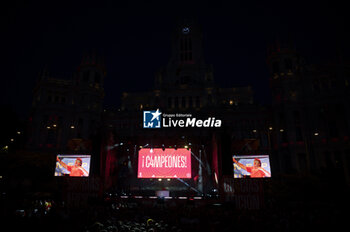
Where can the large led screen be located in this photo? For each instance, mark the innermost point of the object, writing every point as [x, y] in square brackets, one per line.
[167, 163]
[72, 165]
[252, 166]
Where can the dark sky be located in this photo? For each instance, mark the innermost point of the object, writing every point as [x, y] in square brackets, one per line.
[135, 37]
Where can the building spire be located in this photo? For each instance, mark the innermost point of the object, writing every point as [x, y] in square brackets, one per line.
[92, 58]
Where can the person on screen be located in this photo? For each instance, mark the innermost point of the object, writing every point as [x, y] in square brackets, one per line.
[256, 171]
[76, 169]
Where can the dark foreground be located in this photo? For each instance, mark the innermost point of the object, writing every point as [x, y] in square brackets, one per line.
[188, 215]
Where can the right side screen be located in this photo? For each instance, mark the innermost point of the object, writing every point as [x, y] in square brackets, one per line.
[251, 166]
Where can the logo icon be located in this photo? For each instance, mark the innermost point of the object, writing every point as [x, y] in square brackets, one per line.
[151, 119]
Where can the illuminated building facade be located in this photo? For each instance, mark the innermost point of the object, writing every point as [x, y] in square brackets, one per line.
[305, 130]
[186, 85]
[67, 112]
[310, 113]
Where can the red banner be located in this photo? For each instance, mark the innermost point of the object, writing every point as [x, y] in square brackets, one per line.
[170, 163]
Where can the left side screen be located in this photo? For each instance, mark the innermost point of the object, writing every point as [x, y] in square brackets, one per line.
[73, 165]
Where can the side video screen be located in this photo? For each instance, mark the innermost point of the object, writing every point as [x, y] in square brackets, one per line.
[73, 165]
[252, 166]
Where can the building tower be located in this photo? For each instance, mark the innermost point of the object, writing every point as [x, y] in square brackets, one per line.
[287, 82]
[67, 109]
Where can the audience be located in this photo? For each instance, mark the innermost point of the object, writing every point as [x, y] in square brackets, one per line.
[122, 216]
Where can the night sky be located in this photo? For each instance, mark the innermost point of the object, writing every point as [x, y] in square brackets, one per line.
[135, 39]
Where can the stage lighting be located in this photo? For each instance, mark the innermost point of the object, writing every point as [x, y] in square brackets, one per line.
[159, 179]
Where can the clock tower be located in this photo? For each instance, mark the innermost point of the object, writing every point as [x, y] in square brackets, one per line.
[186, 67]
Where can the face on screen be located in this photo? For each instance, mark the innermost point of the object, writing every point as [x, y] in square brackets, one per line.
[167, 163]
[72, 165]
[257, 166]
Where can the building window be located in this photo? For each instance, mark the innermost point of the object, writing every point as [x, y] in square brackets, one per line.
[97, 78]
[185, 49]
[210, 99]
[298, 134]
[275, 67]
[86, 75]
[170, 102]
[288, 63]
[176, 103]
[185, 44]
[157, 101]
[297, 118]
[198, 102]
[183, 102]
[60, 121]
[302, 162]
[190, 102]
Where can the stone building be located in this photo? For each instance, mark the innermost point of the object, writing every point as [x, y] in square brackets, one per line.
[67, 111]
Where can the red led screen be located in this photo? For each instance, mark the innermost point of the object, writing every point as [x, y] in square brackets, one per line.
[170, 163]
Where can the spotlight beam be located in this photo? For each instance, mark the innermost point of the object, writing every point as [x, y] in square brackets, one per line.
[185, 183]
